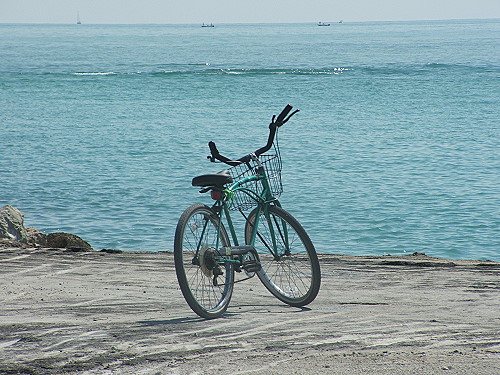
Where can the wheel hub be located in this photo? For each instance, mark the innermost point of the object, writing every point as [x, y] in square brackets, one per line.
[206, 259]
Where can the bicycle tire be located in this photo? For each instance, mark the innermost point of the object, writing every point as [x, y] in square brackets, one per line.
[294, 277]
[195, 277]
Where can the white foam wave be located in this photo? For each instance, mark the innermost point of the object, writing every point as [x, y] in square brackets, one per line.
[95, 74]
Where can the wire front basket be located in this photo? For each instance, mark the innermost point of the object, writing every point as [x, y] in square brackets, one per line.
[272, 166]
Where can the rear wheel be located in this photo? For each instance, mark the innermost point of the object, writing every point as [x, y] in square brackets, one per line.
[205, 282]
[290, 266]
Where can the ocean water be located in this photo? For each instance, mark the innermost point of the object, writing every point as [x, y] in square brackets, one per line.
[395, 150]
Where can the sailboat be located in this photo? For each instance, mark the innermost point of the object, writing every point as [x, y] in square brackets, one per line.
[78, 22]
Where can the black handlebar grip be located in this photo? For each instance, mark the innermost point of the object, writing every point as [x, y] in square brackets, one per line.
[283, 114]
[217, 156]
[213, 149]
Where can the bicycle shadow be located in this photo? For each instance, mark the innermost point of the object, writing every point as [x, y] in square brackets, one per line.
[174, 321]
[243, 310]
[268, 308]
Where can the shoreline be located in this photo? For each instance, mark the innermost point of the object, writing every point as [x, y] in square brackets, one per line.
[14, 246]
[108, 312]
[418, 258]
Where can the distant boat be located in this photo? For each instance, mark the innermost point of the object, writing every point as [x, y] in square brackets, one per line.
[78, 22]
[323, 24]
[207, 25]
[341, 21]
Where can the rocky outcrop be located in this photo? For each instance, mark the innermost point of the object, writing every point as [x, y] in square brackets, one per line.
[14, 234]
[66, 241]
[12, 224]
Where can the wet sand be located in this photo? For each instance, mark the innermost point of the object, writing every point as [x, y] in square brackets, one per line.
[64, 312]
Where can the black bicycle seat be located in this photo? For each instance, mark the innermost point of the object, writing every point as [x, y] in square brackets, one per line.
[215, 179]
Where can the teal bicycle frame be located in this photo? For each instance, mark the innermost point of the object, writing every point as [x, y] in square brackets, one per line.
[263, 200]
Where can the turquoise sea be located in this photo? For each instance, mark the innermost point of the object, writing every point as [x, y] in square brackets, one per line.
[396, 148]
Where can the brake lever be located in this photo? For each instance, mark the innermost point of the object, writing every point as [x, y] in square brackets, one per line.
[276, 124]
[289, 116]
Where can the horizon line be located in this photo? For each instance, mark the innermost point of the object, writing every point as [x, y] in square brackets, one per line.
[252, 23]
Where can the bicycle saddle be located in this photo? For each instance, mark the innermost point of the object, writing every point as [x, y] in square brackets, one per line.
[216, 179]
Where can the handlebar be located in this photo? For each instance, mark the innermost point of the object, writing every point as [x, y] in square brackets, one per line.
[276, 122]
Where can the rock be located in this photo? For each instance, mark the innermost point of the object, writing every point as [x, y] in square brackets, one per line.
[10, 244]
[12, 232]
[12, 224]
[111, 251]
[66, 240]
[36, 237]
[417, 254]
[12, 228]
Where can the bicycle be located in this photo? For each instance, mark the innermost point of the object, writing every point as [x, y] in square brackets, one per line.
[277, 248]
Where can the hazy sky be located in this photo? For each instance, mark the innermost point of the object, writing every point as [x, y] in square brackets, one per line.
[241, 11]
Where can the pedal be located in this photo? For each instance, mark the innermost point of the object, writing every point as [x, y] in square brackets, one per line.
[252, 265]
[248, 255]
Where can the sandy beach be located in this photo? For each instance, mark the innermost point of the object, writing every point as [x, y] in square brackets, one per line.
[94, 312]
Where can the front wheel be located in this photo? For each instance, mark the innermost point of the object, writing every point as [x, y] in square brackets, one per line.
[206, 281]
[290, 266]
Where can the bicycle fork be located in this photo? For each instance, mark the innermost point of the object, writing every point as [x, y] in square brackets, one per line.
[278, 233]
